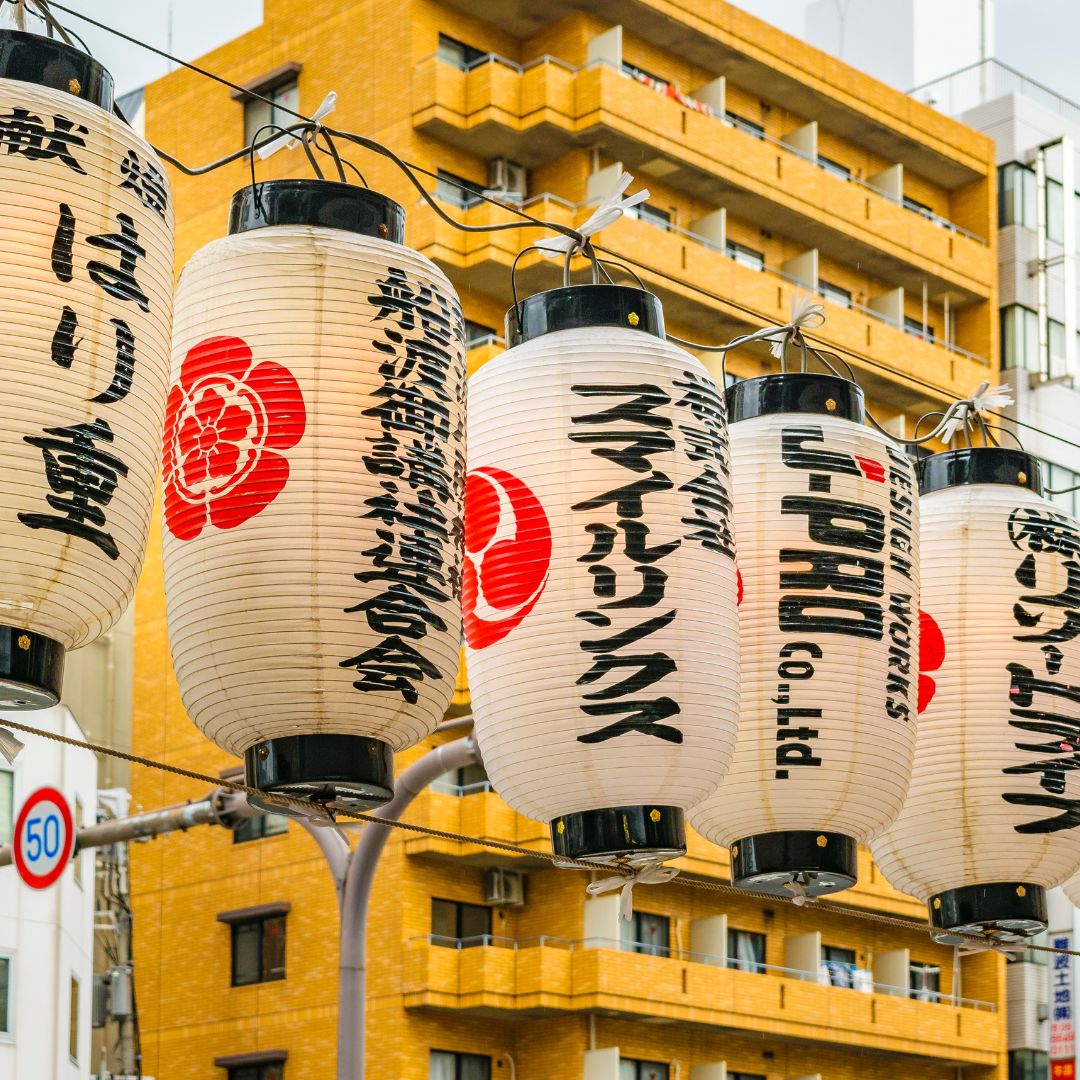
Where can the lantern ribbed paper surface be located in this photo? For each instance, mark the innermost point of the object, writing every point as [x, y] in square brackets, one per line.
[599, 587]
[825, 528]
[86, 306]
[995, 795]
[314, 470]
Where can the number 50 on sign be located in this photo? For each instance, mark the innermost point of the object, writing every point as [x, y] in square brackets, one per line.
[44, 838]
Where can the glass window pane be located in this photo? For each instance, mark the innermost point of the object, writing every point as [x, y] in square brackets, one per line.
[5, 991]
[244, 1072]
[7, 794]
[246, 953]
[73, 1021]
[286, 102]
[474, 1067]
[256, 114]
[475, 921]
[1056, 348]
[1055, 211]
[1029, 195]
[627, 1070]
[273, 948]
[746, 950]
[444, 923]
[442, 1066]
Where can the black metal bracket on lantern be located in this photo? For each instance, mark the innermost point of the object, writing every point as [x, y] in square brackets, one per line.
[627, 835]
[576, 307]
[325, 203]
[795, 392]
[32, 58]
[1003, 911]
[31, 670]
[819, 862]
[979, 465]
[347, 772]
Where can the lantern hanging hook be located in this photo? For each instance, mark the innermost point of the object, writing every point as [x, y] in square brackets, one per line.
[655, 873]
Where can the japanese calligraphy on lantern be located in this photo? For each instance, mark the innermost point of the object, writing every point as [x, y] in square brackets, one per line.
[87, 304]
[599, 576]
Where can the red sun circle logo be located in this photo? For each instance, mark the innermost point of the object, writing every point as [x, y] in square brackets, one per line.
[507, 554]
[931, 656]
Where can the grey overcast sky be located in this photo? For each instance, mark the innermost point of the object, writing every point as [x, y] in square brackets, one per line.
[1036, 36]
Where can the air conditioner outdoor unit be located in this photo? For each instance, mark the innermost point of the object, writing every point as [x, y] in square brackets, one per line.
[504, 888]
[506, 177]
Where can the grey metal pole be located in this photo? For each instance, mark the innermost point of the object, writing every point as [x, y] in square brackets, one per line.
[357, 897]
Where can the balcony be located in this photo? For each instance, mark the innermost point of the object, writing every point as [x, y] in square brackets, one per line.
[540, 111]
[687, 262]
[538, 976]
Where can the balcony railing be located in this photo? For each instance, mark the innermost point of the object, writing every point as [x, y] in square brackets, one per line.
[720, 249]
[863, 983]
[734, 122]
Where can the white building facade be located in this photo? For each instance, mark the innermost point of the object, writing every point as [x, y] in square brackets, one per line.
[46, 937]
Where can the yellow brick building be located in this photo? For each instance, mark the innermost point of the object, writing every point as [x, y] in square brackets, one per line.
[772, 168]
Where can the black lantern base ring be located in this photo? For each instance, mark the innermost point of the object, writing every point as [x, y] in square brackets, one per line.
[345, 772]
[630, 836]
[1005, 911]
[31, 670]
[795, 863]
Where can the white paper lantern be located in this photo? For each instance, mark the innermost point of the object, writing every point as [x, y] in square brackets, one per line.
[826, 532]
[313, 478]
[85, 303]
[990, 820]
[599, 587]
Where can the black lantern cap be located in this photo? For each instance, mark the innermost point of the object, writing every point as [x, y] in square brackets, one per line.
[347, 772]
[578, 306]
[31, 670]
[818, 862]
[1005, 911]
[623, 835]
[979, 465]
[317, 202]
[31, 58]
[795, 392]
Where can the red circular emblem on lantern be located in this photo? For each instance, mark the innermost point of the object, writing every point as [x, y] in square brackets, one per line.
[224, 422]
[931, 656]
[507, 554]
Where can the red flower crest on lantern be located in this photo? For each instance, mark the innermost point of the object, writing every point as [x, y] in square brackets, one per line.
[931, 656]
[224, 421]
[507, 554]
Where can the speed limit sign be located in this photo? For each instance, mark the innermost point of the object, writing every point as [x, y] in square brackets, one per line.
[44, 838]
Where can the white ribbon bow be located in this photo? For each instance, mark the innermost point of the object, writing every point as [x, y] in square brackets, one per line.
[973, 948]
[806, 314]
[653, 874]
[9, 745]
[328, 105]
[607, 213]
[798, 893]
[986, 397]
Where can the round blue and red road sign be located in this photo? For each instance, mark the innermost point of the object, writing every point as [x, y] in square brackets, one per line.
[44, 838]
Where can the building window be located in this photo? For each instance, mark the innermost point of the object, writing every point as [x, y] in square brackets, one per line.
[478, 334]
[456, 190]
[468, 780]
[632, 1069]
[646, 933]
[745, 1076]
[917, 207]
[834, 293]
[458, 925]
[1017, 196]
[1055, 212]
[457, 53]
[274, 1070]
[1076, 220]
[916, 328]
[73, 1020]
[1020, 338]
[1055, 348]
[746, 950]
[5, 995]
[1029, 1065]
[757, 130]
[258, 113]
[1058, 478]
[654, 215]
[646, 77]
[839, 964]
[7, 805]
[745, 256]
[833, 167]
[450, 1065]
[258, 950]
[924, 981]
[260, 826]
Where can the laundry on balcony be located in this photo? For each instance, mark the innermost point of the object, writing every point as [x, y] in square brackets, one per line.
[669, 89]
